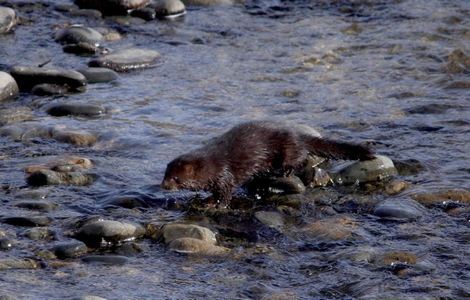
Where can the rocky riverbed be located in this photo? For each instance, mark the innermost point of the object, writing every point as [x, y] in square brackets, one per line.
[96, 97]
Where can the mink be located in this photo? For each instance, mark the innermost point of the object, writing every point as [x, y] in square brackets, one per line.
[251, 149]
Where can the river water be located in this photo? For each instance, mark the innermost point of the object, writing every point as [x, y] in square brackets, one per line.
[373, 71]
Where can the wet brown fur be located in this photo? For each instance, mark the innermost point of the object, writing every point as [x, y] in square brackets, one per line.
[250, 149]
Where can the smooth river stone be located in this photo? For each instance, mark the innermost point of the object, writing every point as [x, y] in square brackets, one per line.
[188, 245]
[36, 205]
[79, 34]
[112, 7]
[99, 75]
[127, 60]
[15, 115]
[18, 263]
[169, 9]
[211, 2]
[8, 87]
[84, 110]
[70, 250]
[77, 138]
[47, 89]
[399, 209]
[28, 77]
[376, 169]
[108, 231]
[31, 221]
[146, 13]
[7, 19]
[175, 231]
[49, 177]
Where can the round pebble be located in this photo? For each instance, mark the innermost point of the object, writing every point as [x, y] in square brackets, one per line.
[99, 75]
[7, 19]
[6, 244]
[112, 7]
[15, 115]
[196, 246]
[70, 250]
[75, 109]
[79, 34]
[28, 77]
[36, 205]
[127, 60]
[109, 231]
[8, 87]
[31, 221]
[169, 8]
[376, 169]
[174, 231]
[399, 209]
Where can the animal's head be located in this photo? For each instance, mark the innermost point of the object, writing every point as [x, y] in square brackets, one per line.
[184, 172]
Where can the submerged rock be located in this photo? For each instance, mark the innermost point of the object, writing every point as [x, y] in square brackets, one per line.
[6, 244]
[7, 19]
[211, 2]
[112, 7]
[335, 228]
[399, 209]
[114, 260]
[40, 205]
[169, 9]
[76, 34]
[75, 109]
[146, 13]
[271, 219]
[67, 163]
[108, 231]
[70, 250]
[47, 89]
[440, 197]
[127, 60]
[98, 75]
[28, 77]
[175, 231]
[8, 87]
[376, 169]
[196, 246]
[15, 115]
[18, 263]
[29, 221]
[80, 48]
[50, 177]
[78, 138]
[458, 62]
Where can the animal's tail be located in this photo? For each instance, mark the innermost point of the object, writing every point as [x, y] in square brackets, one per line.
[336, 150]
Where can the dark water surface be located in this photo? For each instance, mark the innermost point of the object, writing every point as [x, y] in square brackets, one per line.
[356, 70]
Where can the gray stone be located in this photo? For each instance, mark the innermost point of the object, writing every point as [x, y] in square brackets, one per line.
[50, 177]
[169, 8]
[98, 75]
[376, 169]
[70, 250]
[108, 231]
[76, 34]
[6, 244]
[7, 19]
[211, 2]
[47, 89]
[146, 13]
[30, 221]
[401, 209]
[37, 205]
[39, 233]
[80, 48]
[188, 245]
[174, 231]
[106, 259]
[15, 115]
[8, 87]
[75, 109]
[271, 219]
[112, 7]
[18, 263]
[127, 60]
[28, 77]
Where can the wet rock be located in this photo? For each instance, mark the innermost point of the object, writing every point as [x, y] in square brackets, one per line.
[146, 13]
[353, 29]
[458, 62]
[408, 167]
[98, 75]
[70, 250]
[336, 228]
[76, 34]
[29, 221]
[440, 197]
[271, 219]
[15, 115]
[50, 177]
[47, 89]
[80, 48]
[196, 246]
[65, 7]
[78, 138]
[175, 231]
[394, 257]
[112, 7]
[75, 109]
[37, 205]
[395, 187]
[39, 233]
[107, 231]
[127, 60]
[376, 169]
[6, 244]
[28, 77]
[169, 9]
[67, 163]
[211, 2]
[399, 209]
[18, 263]
[87, 13]
[7, 19]
[129, 249]
[8, 87]
[432, 108]
[113, 260]
[276, 185]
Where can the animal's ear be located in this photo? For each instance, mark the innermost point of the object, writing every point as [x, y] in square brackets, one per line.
[189, 169]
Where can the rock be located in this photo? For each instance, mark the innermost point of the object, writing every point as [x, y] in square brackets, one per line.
[127, 60]
[440, 197]
[112, 7]
[87, 13]
[15, 115]
[408, 167]
[78, 138]
[80, 48]
[271, 219]
[98, 75]
[395, 187]
[399, 209]
[196, 246]
[39, 233]
[353, 29]
[30, 221]
[50, 177]
[376, 169]
[8, 87]
[114, 260]
[70, 250]
[211, 2]
[76, 34]
[335, 228]
[47, 89]
[75, 109]
[36, 205]
[394, 257]
[18, 263]
[107, 231]
[169, 9]
[28, 77]
[175, 231]
[458, 62]
[146, 13]
[6, 244]
[67, 163]
[7, 19]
